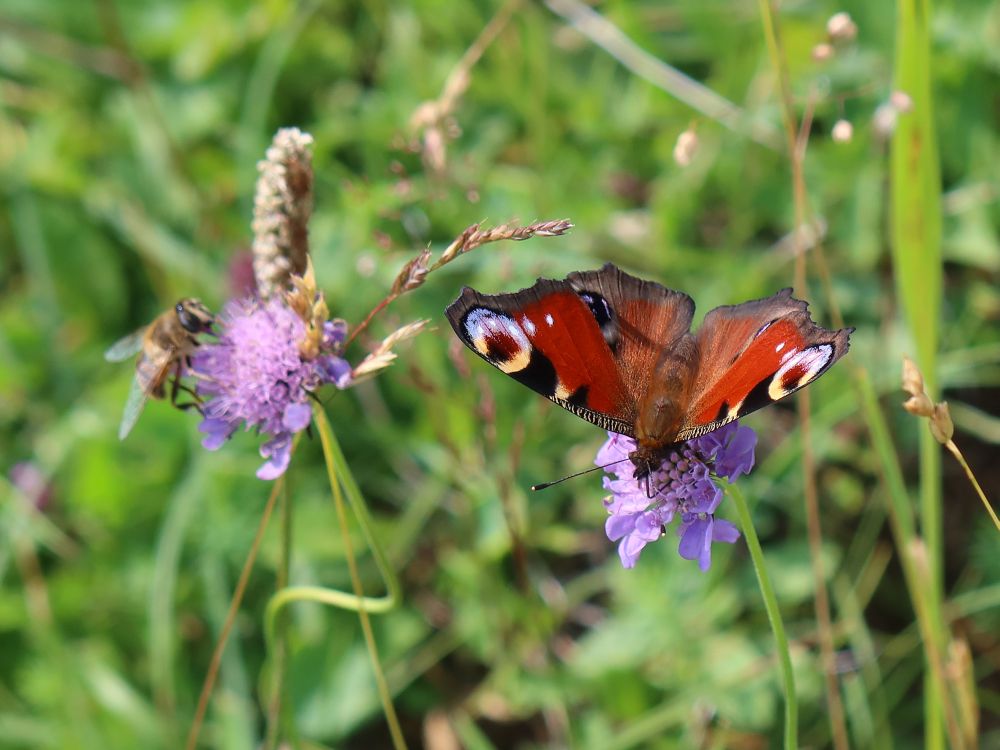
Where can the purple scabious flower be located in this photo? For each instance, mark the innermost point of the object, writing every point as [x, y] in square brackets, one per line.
[682, 487]
[260, 374]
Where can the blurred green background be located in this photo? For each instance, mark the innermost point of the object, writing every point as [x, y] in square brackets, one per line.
[129, 134]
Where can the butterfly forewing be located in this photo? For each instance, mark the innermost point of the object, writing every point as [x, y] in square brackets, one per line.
[755, 354]
[547, 338]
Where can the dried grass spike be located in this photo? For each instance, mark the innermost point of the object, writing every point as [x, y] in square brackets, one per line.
[282, 207]
[412, 274]
[383, 355]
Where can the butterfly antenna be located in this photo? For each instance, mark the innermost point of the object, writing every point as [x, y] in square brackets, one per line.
[546, 485]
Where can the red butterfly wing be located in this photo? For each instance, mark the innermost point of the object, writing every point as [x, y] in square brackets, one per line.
[754, 354]
[589, 343]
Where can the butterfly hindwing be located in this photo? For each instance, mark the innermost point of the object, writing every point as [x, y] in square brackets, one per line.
[754, 354]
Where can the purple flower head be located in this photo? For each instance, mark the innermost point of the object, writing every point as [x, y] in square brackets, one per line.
[258, 374]
[639, 513]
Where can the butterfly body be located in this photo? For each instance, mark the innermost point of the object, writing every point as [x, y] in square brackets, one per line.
[618, 351]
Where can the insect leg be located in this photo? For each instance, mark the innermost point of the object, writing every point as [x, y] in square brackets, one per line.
[176, 386]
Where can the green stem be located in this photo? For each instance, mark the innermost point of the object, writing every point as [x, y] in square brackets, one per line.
[951, 446]
[773, 615]
[341, 483]
[277, 715]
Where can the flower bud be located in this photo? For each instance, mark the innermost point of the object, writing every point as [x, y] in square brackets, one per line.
[841, 27]
[822, 52]
[901, 101]
[884, 121]
[686, 147]
[842, 131]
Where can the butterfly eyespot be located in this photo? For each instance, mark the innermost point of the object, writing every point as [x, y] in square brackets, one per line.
[498, 338]
[798, 369]
[599, 308]
[604, 315]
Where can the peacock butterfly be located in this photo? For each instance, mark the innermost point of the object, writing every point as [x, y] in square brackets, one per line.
[618, 351]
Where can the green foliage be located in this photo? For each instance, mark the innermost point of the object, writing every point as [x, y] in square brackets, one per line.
[129, 135]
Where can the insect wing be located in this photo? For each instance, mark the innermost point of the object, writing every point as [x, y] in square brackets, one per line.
[125, 347]
[140, 392]
[137, 397]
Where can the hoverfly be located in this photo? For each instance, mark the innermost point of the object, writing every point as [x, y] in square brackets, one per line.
[163, 348]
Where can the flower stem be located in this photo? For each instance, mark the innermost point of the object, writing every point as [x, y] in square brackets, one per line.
[277, 710]
[773, 615]
[234, 606]
[950, 445]
[342, 483]
[326, 437]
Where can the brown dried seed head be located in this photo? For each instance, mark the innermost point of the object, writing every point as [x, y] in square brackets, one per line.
[458, 245]
[282, 206]
[919, 405]
[383, 356]
[913, 380]
[942, 428]
[413, 274]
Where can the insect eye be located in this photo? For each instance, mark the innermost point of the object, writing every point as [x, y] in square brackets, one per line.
[189, 321]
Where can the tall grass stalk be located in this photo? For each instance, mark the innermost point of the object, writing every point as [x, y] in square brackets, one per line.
[913, 559]
[915, 220]
[797, 140]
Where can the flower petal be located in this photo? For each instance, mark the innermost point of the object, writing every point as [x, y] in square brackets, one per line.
[296, 417]
[724, 531]
[737, 457]
[694, 538]
[278, 451]
[629, 549]
[627, 496]
[337, 371]
[618, 526]
[704, 497]
[648, 526]
[334, 332]
[217, 432]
